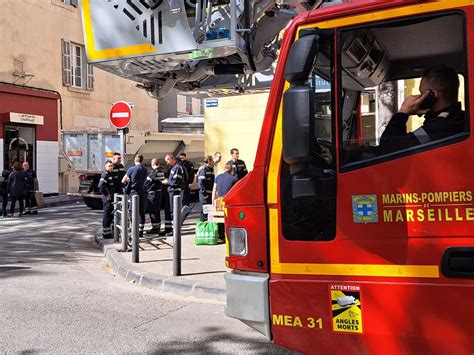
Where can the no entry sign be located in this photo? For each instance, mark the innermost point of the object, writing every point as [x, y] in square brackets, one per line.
[120, 114]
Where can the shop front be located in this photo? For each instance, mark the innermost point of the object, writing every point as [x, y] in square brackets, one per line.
[29, 132]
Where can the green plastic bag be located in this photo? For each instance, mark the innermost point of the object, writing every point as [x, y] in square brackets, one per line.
[206, 233]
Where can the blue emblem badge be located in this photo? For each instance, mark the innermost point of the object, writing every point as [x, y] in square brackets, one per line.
[364, 209]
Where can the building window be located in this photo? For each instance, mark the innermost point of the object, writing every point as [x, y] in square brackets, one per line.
[76, 72]
[70, 2]
[201, 107]
[189, 105]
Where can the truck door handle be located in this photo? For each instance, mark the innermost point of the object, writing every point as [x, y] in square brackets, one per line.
[458, 262]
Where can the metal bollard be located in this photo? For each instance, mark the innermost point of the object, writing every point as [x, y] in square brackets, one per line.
[177, 235]
[124, 223]
[135, 237]
[116, 218]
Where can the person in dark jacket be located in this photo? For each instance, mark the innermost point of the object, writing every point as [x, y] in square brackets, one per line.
[118, 172]
[32, 185]
[438, 101]
[188, 169]
[153, 188]
[4, 191]
[206, 184]
[107, 189]
[175, 186]
[225, 181]
[17, 187]
[238, 166]
[135, 179]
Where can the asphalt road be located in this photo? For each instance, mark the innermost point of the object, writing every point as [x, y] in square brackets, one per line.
[58, 296]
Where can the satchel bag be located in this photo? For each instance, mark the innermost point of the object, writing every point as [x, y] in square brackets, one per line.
[38, 196]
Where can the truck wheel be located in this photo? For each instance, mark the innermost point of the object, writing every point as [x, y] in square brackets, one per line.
[88, 202]
[97, 204]
[94, 203]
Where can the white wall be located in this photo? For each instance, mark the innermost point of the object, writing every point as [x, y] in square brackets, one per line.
[47, 166]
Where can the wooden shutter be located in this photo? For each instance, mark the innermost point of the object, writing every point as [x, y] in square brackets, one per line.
[66, 60]
[90, 77]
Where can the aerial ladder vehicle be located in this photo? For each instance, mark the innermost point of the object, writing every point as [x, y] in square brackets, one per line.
[335, 244]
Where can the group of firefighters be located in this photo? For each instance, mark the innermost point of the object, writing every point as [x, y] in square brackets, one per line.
[19, 184]
[177, 180]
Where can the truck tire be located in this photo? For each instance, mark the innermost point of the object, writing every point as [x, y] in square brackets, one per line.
[87, 201]
[93, 203]
[97, 204]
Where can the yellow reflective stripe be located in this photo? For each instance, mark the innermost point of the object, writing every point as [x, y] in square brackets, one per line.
[93, 54]
[274, 249]
[374, 270]
[430, 271]
[398, 12]
[275, 158]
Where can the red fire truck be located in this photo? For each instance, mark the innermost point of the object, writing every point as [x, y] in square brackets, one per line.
[336, 245]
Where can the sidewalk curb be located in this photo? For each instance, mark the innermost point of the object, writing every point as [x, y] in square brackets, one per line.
[61, 202]
[172, 284]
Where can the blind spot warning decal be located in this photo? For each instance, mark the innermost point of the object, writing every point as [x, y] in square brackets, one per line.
[346, 308]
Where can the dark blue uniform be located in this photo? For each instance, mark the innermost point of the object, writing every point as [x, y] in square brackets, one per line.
[107, 189]
[206, 183]
[118, 174]
[437, 125]
[224, 183]
[188, 170]
[30, 201]
[136, 186]
[238, 168]
[4, 191]
[17, 188]
[153, 185]
[175, 186]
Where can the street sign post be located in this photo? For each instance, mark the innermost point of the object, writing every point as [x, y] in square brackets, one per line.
[120, 114]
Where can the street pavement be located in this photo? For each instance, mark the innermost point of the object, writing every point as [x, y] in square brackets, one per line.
[57, 295]
[202, 266]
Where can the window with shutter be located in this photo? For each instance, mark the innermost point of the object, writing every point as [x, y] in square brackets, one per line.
[90, 77]
[76, 66]
[76, 72]
[66, 54]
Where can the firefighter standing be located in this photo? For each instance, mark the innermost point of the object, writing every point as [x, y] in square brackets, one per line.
[32, 185]
[238, 166]
[4, 191]
[107, 189]
[119, 172]
[188, 169]
[153, 185]
[135, 178]
[175, 185]
[206, 183]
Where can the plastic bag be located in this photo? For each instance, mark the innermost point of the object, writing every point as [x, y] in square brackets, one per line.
[206, 233]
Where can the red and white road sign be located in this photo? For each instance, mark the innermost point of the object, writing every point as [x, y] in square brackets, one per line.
[120, 114]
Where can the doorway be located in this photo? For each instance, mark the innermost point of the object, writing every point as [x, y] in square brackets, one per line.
[19, 145]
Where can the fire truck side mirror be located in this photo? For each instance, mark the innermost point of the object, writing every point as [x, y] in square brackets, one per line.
[302, 55]
[298, 124]
[298, 100]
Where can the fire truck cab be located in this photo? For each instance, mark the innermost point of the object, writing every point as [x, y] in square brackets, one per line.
[337, 243]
